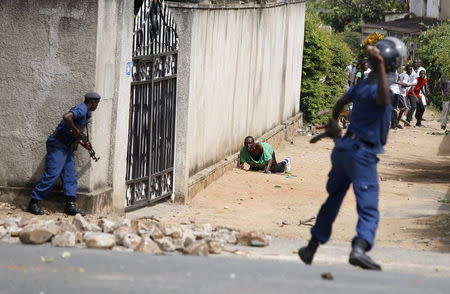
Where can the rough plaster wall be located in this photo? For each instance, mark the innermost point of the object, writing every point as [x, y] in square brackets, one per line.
[245, 75]
[47, 58]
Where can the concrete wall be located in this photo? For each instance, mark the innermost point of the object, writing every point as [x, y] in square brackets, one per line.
[52, 52]
[110, 123]
[244, 75]
[444, 13]
[47, 57]
[418, 7]
[433, 8]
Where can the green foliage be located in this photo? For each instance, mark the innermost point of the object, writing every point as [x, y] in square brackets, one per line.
[325, 56]
[348, 15]
[434, 51]
[353, 40]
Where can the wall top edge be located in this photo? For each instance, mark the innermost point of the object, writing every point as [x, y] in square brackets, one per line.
[232, 5]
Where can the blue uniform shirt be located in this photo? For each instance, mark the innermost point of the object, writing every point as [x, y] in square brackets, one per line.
[369, 121]
[81, 115]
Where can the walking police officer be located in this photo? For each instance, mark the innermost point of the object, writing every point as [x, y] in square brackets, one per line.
[59, 161]
[354, 157]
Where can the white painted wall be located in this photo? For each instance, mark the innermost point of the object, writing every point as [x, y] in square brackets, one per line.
[417, 7]
[433, 8]
[245, 76]
[444, 13]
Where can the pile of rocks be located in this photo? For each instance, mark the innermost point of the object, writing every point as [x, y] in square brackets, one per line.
[140, 235]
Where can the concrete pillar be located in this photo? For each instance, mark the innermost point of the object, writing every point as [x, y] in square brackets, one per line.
[183, 19]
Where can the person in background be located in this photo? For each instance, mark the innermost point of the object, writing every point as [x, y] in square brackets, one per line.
[416, 99]
[395, 103]
[350, 70]
[405, 80]
[363, 72]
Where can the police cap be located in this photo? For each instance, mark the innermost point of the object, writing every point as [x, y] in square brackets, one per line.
[92, 96]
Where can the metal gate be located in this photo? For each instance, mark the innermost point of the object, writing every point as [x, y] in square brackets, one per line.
[151, 138]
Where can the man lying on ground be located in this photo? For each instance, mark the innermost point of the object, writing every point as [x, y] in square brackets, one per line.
[260, 156]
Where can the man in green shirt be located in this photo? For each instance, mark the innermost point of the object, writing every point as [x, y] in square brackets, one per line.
[260, 156]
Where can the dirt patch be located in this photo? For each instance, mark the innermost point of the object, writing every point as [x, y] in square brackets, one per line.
[414, 178]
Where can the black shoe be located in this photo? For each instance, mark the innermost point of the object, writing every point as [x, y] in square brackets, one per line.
[307, 253]
[399, 126]
[72, 209]
[358, 256]
[34, 208]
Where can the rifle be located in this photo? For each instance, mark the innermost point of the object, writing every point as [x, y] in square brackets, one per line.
[91, 151]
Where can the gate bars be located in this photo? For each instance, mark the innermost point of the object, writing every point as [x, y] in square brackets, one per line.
[151, 138]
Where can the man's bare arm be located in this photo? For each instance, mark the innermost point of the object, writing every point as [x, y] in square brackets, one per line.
[383, 93]
[339, 106]
[268, 165]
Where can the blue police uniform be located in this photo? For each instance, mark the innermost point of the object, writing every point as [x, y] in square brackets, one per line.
[59, 161]
[354, 161]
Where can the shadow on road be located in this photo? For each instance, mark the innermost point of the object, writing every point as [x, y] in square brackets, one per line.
[444, 147]
[422, 171]
[436, 229]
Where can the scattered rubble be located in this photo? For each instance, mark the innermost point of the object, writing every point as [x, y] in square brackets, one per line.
[145, 235]
[310, 130]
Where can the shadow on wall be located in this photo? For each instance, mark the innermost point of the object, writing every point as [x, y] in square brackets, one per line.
[54, 201]
[36, 177]
[444, 148]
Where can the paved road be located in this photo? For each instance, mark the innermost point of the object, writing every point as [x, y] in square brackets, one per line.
[95, 271]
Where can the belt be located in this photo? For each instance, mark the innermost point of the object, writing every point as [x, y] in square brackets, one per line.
[349, 134]
[62, 139]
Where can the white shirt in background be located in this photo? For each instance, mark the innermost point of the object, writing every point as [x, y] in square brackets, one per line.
[395, 87]
[410, 80]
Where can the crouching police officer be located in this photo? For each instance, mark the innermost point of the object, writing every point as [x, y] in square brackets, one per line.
[354, 157]
[59, 161]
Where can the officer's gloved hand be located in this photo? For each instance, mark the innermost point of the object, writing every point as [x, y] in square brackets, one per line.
[333, 130]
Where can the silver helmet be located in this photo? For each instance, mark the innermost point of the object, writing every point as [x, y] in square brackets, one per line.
[393, 51]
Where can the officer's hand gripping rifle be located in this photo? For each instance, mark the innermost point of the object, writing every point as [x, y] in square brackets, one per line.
[90, 149]
[332, 130]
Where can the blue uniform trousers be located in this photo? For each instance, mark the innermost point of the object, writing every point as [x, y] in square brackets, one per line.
[352, 162]
[59, 162]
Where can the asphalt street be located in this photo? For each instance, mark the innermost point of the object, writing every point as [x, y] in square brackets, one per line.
[44, 270]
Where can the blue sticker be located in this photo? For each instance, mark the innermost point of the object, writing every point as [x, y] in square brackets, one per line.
[128, 68]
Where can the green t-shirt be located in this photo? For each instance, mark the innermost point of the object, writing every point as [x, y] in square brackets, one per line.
[244, 156]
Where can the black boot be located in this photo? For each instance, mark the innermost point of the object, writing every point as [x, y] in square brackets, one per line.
[358, 256]
[34, 208]
[307, 253]
[71, 208]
